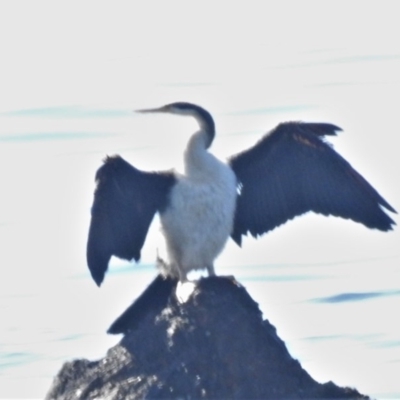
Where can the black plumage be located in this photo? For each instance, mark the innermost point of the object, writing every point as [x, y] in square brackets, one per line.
[125, 202]
[291, 171]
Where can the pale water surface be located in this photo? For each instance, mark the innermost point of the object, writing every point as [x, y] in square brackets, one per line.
[70, 77]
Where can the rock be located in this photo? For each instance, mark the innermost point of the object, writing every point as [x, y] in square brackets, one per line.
[216, 345]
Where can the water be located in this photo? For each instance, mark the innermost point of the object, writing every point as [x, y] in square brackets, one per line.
[330, 287]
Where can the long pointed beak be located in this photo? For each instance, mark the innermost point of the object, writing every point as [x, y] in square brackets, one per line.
[153, 110]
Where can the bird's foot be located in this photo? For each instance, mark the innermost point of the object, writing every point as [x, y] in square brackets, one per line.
[211, 270]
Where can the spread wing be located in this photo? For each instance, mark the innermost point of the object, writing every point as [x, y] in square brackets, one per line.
[292, 170]
[125, 202]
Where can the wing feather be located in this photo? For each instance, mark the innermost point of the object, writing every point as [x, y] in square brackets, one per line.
[291, 171]
[125, 202]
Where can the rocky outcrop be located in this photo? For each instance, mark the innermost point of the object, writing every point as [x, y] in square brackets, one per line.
[214, 346]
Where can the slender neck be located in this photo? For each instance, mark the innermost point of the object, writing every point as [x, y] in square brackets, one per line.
[207, 125]
[196, 158]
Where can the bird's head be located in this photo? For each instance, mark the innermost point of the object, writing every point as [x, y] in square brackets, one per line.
[202, 116]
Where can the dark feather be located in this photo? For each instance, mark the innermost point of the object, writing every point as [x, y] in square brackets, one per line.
[124, 205]
[292, 170]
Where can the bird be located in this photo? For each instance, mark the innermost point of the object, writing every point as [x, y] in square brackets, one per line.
[290, 171]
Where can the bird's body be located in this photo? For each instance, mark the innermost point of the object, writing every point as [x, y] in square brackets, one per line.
[199, 219]
[290, 171]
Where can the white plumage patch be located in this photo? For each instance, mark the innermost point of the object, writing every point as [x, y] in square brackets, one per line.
[199, 219]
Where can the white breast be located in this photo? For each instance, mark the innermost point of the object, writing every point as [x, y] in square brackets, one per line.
[199, 218]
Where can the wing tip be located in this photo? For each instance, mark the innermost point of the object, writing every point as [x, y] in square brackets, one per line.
[386, 205]
[111, 158]
[324, 128]
[390, 224]
[318, 128]
[96, 260]
[237, 238]
[97, 277]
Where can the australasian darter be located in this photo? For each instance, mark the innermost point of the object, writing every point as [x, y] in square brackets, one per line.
[290, 171]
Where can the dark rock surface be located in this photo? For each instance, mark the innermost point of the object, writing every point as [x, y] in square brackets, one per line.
[214, 346]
